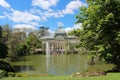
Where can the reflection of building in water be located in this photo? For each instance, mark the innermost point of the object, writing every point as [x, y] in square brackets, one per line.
[60, 42]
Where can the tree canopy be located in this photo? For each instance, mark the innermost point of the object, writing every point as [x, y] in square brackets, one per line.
[16, 42]
[101, 29]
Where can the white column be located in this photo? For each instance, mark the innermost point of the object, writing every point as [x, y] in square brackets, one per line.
[57, 45]
[52, 46]
[60, 45]
[68, 46]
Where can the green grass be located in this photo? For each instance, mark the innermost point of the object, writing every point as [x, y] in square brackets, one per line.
[109, 76]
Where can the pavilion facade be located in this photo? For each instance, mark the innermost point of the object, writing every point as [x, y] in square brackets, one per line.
[60, 42]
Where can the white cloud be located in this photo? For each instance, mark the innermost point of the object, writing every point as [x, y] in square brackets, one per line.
[68, 29]
[4, 4]
[44, 15]
[76, 26]
[25, 27]
[72, 6]
[34, 23]
[24, 17]
[48, 14]
[45, 4]
[2, 17]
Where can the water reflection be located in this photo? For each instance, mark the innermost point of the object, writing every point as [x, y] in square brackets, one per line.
[67, 64]
[55, 64]
[47, 63]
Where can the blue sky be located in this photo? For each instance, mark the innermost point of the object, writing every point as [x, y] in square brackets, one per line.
[31, 14]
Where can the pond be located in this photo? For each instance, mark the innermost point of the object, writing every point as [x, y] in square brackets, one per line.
[55, 64]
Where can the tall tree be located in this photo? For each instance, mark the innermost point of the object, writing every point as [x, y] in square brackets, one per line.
[6, 33]
[101, 29]
[0, 32]
[16, 45]
[3, 47]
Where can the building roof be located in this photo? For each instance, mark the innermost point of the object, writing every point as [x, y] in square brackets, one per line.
[59, 34]
[47, 37]
[71, 37]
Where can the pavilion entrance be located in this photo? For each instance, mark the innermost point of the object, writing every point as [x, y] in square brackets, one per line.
[58, 47]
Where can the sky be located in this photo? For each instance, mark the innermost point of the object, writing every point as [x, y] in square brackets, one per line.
[31, 14]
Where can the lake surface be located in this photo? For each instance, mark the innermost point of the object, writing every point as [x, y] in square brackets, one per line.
[55, 64]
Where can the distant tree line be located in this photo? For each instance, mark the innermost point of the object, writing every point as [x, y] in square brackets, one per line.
[15, 42]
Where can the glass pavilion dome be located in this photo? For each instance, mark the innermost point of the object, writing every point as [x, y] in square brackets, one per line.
[60, 31]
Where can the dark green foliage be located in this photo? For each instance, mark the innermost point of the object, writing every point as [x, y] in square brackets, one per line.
[3, 47]
[0, 33]
[101, 29]
[6, 66]
[3, 50]
[2, 73]
[22, 50]
[75, 32]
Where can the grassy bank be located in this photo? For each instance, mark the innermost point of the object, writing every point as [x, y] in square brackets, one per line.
[109, 76]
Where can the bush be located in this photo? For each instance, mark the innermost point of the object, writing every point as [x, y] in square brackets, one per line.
[6, 66]
[2, 73]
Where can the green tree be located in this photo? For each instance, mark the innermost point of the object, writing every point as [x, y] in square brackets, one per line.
[16, 45]
[101, 29]
[33, 42]
[6, 33]
[3, 47]
[0, 33]
[76, 32]
[22, 49]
